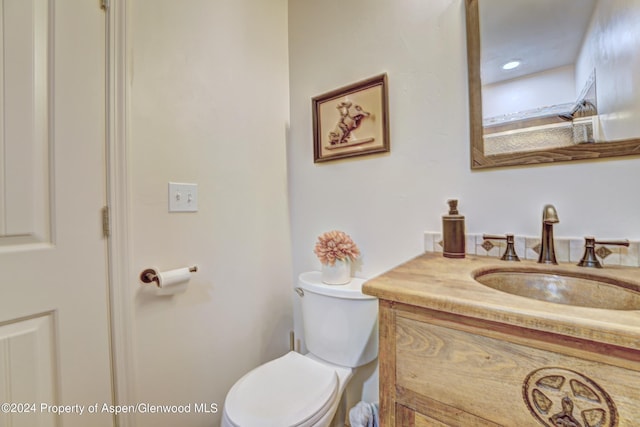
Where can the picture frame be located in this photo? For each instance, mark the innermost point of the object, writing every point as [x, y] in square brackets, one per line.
[351, 121]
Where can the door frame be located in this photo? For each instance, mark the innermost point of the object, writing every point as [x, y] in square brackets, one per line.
[120, 301]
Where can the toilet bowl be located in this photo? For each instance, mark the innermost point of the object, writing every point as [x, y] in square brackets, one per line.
[295, 390]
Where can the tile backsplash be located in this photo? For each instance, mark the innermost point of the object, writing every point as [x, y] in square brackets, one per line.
[567, 249]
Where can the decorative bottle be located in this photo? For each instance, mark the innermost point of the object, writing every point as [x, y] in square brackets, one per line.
[453, 232]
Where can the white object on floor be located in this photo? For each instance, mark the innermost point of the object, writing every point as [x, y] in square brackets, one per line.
[364, 415]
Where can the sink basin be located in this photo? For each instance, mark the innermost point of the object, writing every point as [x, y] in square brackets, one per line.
[561, 287]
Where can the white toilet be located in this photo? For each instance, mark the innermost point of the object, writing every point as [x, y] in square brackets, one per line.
[341, 333]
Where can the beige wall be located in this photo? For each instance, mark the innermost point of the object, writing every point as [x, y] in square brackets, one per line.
[386, 202]
[208, 105]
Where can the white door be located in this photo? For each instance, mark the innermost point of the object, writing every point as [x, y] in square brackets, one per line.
[54, 323]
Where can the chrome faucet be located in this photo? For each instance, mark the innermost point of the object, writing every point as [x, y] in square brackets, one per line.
[547, 249]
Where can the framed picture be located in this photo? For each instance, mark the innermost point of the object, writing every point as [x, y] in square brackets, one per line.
[351, 121]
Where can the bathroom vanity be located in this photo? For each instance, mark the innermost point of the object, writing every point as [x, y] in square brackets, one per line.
[457, 352]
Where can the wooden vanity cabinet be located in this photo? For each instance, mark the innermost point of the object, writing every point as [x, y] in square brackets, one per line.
[441, 369]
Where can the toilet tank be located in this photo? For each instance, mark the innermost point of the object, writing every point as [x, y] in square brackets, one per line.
[340, 323]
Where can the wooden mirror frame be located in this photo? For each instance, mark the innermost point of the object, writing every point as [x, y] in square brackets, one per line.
[586, 151]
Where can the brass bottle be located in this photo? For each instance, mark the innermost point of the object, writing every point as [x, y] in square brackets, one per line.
[453, 232]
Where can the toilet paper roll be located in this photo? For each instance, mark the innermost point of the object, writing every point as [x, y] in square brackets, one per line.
[173, 281]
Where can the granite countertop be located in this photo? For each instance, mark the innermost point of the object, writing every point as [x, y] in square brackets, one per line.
[445, 284]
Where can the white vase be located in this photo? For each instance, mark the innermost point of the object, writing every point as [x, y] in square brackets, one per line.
[337, 274]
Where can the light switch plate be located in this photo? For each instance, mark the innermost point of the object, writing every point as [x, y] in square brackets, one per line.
[183, 197]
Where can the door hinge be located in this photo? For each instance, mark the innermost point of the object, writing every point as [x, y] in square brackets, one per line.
[106, 224]
[104, 4]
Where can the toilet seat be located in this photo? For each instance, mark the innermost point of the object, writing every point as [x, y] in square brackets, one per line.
[291, 391]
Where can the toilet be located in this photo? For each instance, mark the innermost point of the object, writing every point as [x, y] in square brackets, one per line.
[341, 333]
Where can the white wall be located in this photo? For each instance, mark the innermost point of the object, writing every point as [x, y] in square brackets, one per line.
[551, 87]
[208, 105]
[611, 49]
[386, 202]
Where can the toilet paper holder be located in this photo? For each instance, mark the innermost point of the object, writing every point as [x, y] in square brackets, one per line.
[150, 275]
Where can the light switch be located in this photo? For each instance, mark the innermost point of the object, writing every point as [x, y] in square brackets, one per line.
[183, 197]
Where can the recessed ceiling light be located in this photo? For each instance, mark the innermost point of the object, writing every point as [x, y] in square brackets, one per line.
[511, 65]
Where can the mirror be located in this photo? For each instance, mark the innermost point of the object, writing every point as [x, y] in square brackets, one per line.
[575, 94]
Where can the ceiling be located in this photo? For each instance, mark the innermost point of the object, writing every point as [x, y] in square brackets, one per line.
[542, 34]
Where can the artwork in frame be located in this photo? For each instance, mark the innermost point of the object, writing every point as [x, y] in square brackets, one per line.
[351, 121]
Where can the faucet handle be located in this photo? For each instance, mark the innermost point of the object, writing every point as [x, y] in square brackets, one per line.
[510, 253]
[589, 258]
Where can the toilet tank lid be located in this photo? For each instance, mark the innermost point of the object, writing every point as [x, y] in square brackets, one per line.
[312, 281]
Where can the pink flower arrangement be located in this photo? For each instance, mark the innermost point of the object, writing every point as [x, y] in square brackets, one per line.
[335, 245]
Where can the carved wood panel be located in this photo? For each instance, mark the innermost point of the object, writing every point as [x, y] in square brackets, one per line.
[484, 377]
[562, 397]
